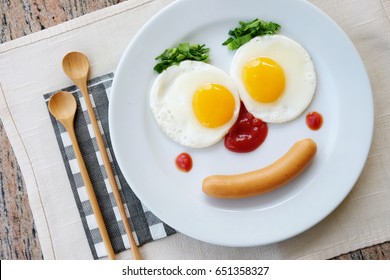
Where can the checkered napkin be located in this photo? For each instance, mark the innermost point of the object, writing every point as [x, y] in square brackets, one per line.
[146, 226]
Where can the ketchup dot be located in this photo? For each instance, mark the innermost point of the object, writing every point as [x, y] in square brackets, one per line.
[314, 120]
[184, 162]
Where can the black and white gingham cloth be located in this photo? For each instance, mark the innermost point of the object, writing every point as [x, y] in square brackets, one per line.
[146, 226]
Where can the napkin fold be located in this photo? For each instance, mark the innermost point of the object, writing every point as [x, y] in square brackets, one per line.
[146, 226]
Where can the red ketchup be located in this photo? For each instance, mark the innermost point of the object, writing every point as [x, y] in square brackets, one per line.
[314, 120]
[247, 134]
[184, 162]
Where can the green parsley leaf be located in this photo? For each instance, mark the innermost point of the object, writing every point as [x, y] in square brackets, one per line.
[248, 30]
[183, 51]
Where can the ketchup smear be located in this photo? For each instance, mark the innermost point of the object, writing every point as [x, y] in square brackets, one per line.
[314, 120]
[247, 134]
[184, 162]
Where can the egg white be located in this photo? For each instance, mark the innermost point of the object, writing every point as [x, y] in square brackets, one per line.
[299, 75]
[171, 103]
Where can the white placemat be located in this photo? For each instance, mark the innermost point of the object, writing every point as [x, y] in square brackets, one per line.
[30, 67]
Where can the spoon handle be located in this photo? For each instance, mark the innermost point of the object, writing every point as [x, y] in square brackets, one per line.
[82, 84]
[91, 194]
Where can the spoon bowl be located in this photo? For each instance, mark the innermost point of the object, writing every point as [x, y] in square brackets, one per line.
[75, 65]
[62, 105]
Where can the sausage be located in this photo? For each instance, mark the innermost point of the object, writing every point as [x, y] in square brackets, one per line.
[265, 179]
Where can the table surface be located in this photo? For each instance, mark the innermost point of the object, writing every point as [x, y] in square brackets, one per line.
[18, 236]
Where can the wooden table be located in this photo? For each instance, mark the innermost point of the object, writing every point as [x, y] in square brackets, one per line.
[18, 237]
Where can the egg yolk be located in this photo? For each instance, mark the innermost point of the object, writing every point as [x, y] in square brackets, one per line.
[264, 79]
[213, 105]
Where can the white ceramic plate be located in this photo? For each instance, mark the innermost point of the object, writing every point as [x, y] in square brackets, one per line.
[146, 155]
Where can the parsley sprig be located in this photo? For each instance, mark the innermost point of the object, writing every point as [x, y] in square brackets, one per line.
[183, 51]
[248, 30]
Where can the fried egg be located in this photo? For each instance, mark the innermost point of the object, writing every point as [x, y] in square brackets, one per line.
[275, 77]
[194, 103]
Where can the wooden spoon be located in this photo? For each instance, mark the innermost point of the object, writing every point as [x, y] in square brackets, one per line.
[76, 67]
[62, 105]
